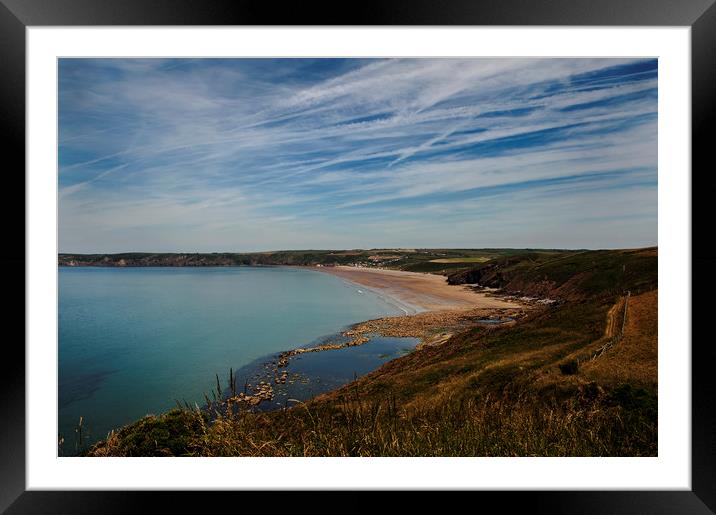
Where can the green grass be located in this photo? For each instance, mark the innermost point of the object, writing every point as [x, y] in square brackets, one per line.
[477, 259]
[411, 259]
[435, 268]
[479, 426]
[477, 395]
[487, 391]
[572, 275]
[169, 434]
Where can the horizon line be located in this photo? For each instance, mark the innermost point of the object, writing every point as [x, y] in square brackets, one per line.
[348, 248]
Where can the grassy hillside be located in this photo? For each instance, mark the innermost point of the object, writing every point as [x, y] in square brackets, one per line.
[416, 260]
[567, 275]
[563, 381]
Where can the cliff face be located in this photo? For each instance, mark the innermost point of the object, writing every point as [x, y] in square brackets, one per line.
[571, 276]
[565, 275]
[484, 391]
[492, 275]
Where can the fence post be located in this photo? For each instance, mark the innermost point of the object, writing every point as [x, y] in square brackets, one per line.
[626, 306]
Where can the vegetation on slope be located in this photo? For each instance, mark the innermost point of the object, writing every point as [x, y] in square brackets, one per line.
[567, 275]
[415, 260]
[535, 388]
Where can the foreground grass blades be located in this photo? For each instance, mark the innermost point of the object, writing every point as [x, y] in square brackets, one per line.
[621, 423]
[538, 388]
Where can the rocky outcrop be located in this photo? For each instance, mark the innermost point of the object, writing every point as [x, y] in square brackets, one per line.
[490, 275]
[567, 276]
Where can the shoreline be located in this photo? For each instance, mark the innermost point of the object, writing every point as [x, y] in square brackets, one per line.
[420, 291]
[458, 308]
[392, 299]
[431, 328]
[431, 311]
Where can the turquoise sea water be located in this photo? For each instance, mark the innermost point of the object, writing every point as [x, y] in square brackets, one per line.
[134, 340]
[318, 372]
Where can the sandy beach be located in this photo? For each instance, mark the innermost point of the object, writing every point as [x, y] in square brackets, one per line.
[435, 309]
[426, 292]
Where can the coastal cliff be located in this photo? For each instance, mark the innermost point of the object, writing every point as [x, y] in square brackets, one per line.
[569, 276]
[574, 378]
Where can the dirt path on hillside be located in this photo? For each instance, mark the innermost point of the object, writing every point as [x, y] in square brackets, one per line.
[614, 318]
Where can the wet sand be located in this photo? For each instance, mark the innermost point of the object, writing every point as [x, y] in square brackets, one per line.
[427, 292]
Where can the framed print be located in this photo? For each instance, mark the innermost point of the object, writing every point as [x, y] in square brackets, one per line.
[406, 249]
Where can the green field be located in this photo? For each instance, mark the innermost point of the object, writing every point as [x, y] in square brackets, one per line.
[477, 259]
[437, 261]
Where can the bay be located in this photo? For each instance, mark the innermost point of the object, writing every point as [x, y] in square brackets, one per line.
[133, 341]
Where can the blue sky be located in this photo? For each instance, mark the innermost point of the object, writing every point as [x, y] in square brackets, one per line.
[203, 155]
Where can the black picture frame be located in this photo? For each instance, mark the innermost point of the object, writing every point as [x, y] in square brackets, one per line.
[16, 15]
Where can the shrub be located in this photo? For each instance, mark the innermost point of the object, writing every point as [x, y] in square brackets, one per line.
[569, 368]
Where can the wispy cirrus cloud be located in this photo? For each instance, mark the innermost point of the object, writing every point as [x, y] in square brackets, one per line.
[255, 154]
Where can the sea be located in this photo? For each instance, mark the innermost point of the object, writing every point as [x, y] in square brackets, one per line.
[138, 341]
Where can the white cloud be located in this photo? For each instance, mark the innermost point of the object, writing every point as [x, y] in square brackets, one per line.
[184, 150]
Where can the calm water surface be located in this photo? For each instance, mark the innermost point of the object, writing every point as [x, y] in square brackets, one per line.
[134, 340]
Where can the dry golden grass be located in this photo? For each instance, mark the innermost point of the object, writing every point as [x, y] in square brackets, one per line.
[614, 318]
[487, 391]
[528, 388]
[634, 358]
[488, 426]
[488, 359]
